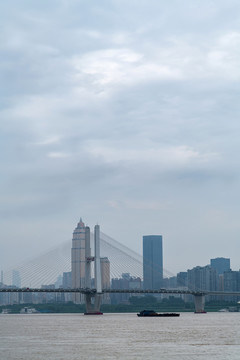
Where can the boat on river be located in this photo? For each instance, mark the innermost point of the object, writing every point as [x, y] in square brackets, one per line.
[151, 313]
[28, 310]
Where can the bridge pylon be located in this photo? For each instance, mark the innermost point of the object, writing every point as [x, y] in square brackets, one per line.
[93, 307]
[199, 301]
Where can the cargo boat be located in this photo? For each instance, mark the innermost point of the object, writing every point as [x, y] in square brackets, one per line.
[151, 313]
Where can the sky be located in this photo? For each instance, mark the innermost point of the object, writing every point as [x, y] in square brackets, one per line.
[124, 113]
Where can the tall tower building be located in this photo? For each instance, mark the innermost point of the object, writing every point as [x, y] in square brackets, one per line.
[79, 259]
[221, 265]
[16, 279]
[105, 275]
[105, 272]
[152, 262]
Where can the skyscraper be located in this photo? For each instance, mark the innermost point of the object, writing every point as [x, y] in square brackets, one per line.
[152, 262]
[79, 259]
[202, 278]
[221, 265]
[106, 283]
[16, 279]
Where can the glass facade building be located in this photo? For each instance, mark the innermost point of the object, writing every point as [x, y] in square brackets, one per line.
[221, 265]
[152, 262]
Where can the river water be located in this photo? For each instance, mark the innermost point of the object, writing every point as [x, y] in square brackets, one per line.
[119, 336]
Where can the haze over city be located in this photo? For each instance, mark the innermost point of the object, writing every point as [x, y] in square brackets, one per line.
[125, 114]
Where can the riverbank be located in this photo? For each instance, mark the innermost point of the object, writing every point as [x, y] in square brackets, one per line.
[121, 308]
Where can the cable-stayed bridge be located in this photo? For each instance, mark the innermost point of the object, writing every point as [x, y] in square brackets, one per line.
[45, 269]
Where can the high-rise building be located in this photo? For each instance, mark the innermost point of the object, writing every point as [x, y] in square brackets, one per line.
[16, 279]
[67, 280]
[182, 279]
[105, 275]
[152, 262]
[221, 265]
[126, 282]
[202, 278]
[79, 259]
[231, 283]
[67, 284]
[105, 272]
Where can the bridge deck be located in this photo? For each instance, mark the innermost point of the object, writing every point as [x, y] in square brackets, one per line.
[127, 291]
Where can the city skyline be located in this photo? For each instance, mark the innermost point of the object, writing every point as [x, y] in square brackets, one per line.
[152, 259]
[124, 112]
[166, 271]
[215, 278]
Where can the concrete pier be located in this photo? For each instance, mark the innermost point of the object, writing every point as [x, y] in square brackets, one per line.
[199, 301]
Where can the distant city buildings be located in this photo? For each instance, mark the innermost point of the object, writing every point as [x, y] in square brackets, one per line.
[152, 262]
[202, 278]
[216, 276]
[182, 279]
[67, 280]
[126, 282]
[16, 279]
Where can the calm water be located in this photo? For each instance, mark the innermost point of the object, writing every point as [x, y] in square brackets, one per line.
[119, 336]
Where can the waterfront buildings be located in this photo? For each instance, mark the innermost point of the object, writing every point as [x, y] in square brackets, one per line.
[231, 280]
[152, 262]
[202, 278]
[126, 282]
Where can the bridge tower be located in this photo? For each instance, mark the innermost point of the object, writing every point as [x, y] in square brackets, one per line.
[93, 308]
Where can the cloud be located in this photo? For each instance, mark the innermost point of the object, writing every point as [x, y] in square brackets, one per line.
[123, 111]
[58, 155]
[168, 157]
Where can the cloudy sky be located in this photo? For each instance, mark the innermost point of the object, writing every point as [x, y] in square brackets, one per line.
[124, 112]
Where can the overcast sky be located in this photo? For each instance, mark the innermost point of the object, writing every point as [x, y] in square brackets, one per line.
[126, 113]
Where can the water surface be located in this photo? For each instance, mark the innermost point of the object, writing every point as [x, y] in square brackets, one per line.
[119, 336]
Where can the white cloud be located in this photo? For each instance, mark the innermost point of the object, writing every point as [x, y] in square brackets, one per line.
[58, 155]
[55, 139]
[123, 100]
[121, 66]
[166, 157]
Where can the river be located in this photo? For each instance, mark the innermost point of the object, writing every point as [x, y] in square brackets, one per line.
[119, 336]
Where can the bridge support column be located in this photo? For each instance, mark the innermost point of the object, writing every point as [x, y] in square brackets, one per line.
[199, 301]
[97, 260]
[93, 308]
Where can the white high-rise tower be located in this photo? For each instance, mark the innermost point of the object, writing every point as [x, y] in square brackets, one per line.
[79, 259]
[81, 267]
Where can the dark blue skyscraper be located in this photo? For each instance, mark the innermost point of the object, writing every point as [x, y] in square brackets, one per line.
[152, 262]
[221, 265]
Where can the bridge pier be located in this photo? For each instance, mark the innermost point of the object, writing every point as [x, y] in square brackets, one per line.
[199, 301]
[93, 308]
